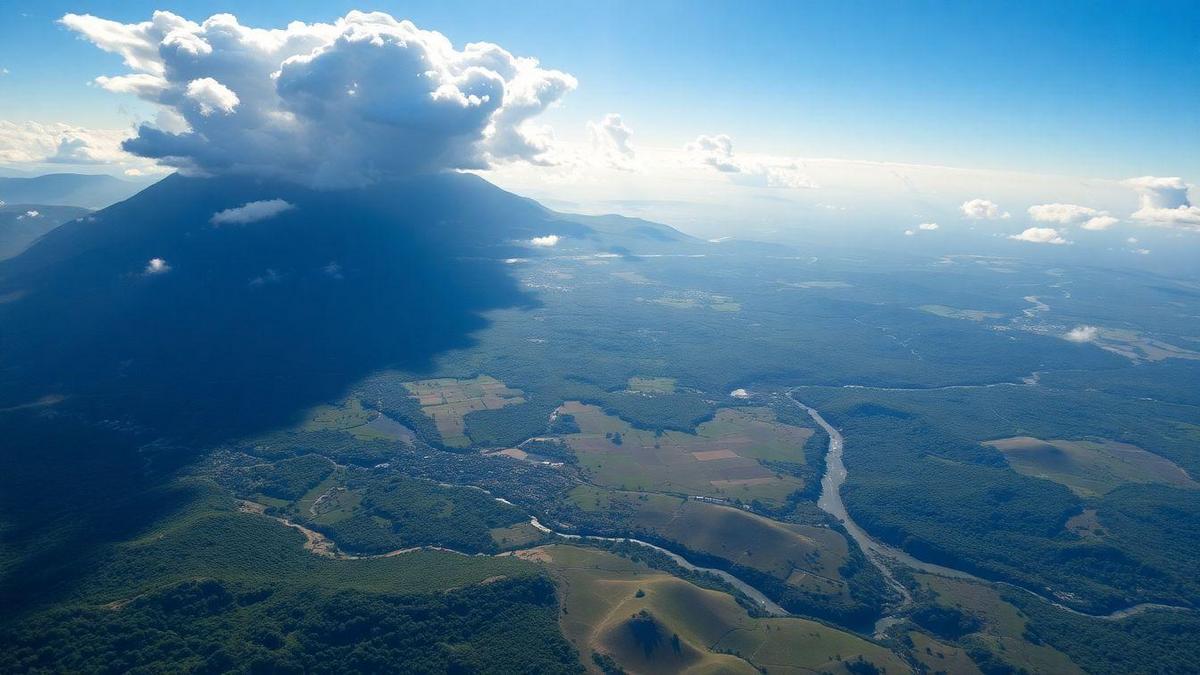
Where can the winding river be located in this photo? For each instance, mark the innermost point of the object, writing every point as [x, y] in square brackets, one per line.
[883, 556]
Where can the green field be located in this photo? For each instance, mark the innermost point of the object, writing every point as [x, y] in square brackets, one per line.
[719, 462]
[652, 385]
[1090, 467]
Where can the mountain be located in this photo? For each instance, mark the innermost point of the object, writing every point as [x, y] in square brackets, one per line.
[242, 324]
[67, 189]
[22, 224]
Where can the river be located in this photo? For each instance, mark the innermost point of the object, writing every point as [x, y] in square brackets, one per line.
[883, 556]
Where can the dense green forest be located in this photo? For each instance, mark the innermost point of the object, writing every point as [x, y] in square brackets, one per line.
[209, 626]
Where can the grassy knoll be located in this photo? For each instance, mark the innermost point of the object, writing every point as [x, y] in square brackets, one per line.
[1090, 468]
[616, 454]
[648, 621]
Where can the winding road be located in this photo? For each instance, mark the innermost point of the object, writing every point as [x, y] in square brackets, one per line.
[883, 556]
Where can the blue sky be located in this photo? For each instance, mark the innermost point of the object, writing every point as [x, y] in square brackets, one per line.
[1088, 89]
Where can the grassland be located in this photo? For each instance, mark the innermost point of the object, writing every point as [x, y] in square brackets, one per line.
[447, 401]
[1003, 629]
[721, 461]
[1090, 468]
[607, 602]
[362, 423]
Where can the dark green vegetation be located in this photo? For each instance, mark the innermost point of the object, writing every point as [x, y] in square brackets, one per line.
[136, 408]
[921, 479]
[398, 512]
[210, 626]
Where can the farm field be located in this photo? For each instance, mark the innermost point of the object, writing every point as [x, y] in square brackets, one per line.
[447, 401]
[650, 622]
[720, 461]
[1090, 468]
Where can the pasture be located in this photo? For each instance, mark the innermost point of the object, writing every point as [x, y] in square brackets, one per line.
[1090, 468]
[720, 461]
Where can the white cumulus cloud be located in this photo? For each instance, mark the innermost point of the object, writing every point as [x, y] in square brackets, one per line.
[982, 209]
[363, 98]
[157, 266]
[1164, 202]
[251, 212]
[1072, 214]
[1082, 334]
[545, 242]
[1040, 235]
[928, 226]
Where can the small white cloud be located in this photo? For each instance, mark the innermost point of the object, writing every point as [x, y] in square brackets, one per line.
[545, 242]
[333, 270]
[909, 233]
[211, 96]
[928, 226]
[1131, 240]
[740, 394]
[716, 152]
[27, 214]
[157, 266]
[982, 209]
[611, 141]
[1082, 334]
[251, 212]
[1040, 235]
[1142, 251]
[1100, 223]
[1072, 214]
[1164, 202]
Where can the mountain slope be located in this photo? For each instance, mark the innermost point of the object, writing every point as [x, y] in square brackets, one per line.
[242, 324]
[67, 189]
[22, 224]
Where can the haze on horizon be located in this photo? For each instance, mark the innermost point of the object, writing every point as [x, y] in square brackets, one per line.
[1013, 129]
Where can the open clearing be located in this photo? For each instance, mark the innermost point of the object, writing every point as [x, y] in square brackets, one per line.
[652, 385]
[651, 622]
[364, 424]
[1090, 467]
[447, 400]
[721, 460]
